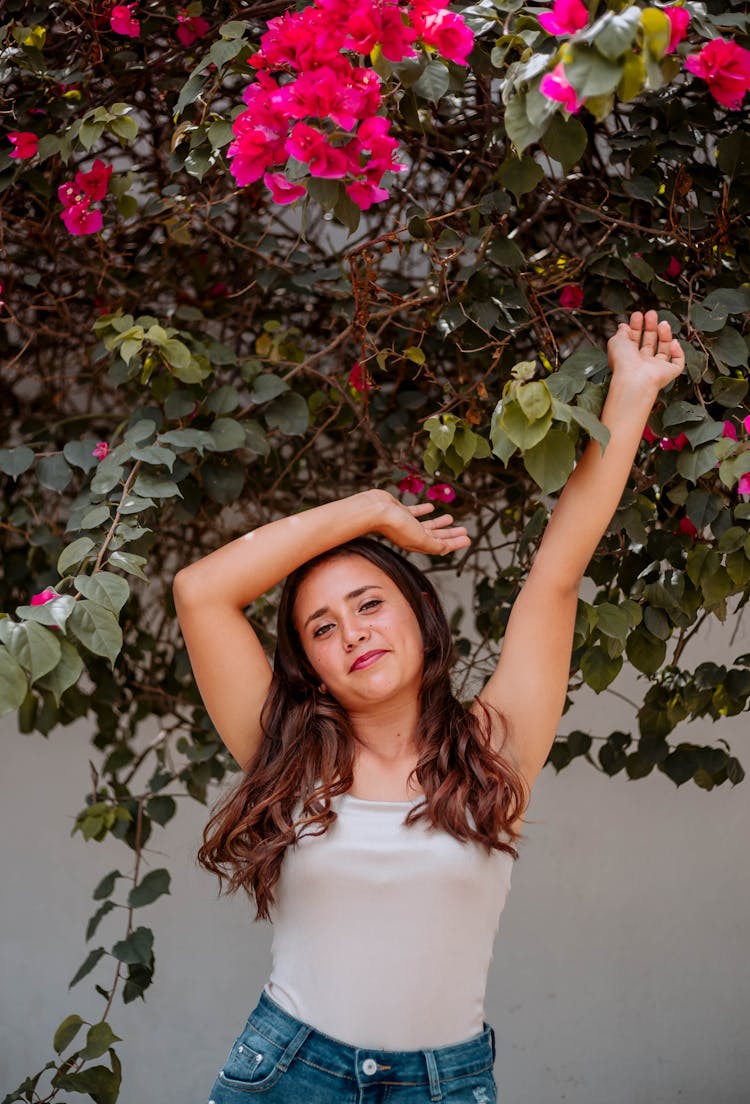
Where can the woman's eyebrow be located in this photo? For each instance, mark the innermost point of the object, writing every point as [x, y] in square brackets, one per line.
[352, 594]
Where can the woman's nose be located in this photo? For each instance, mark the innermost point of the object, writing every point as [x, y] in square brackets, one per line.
[353, 635]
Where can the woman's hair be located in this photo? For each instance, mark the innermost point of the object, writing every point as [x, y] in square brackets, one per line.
[307, 753]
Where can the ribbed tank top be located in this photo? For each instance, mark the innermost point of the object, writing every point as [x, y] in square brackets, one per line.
[382, 933]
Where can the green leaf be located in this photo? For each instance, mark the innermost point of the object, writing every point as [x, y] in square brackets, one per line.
[106, 886]
[591, 424]
[565, 140]
[227, 435]
[521, 131]
[614, 32]
[65, 674]
[433, 83]
[289, 413]
[505, 253]
[534, 399]
[35, 647]
[729, 348]
[189, 93]
[53, 472]
[657, 31]
[99, 1082]
[97, 628]
[267, 387]
[551, 461]
[136, 948]
[161, 809]
[612, 621]
[98, 916]
[129, 562]
[149, 485]
[91, 961]
[520, 175]
[15, 461]
[152, 886]
[693, 463]
[590, 73]
[517, 427]
[109, 590]
[598, 668]
[67, 1032]
[74, 554]
[99, 1039]
[125, 127]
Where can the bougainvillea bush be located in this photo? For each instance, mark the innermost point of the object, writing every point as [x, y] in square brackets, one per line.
[256, 257]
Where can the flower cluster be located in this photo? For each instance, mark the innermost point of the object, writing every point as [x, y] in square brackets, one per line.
[77, 196]
[315, 104]
[724, 65]
[191, 27]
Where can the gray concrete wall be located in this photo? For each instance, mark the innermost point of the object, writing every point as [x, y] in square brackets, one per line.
[621, 972]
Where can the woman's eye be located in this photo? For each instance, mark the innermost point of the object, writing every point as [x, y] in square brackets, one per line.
[321, 630]
[370, 603]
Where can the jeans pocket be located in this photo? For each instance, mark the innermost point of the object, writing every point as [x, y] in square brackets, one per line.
[253, 1063]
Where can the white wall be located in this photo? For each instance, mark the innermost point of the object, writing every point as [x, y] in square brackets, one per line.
[621, 972]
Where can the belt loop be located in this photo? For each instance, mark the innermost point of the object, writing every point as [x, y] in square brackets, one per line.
[492, 1036]
[434, 1076]
[286, 1058]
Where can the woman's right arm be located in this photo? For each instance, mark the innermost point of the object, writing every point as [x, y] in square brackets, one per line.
[229, 665]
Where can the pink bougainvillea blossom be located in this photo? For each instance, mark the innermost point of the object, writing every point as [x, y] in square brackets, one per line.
[673, 269]
[571, 296]
[283, 190]
[359, 378]
[725, 67]
[448, 33]
[191, 27]
[556, 86]
[101, 450]
[670, 444]
[43, 596]
[566, 17]
[95, 182]
[743, 487]
[746, 423]
[648, 435]
[686, 526]
[24, 142]
[679, 19]
[123, 21]
[411, 484]
[729, 430]
[79, 218]
[441, 492]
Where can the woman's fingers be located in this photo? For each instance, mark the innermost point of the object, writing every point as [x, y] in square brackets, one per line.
[664, 334]
[421, 508]
[650, 336]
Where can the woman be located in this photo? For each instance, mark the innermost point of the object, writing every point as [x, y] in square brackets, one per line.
[375, 819]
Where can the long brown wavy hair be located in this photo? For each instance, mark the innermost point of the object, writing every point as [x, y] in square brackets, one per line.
[307, 753]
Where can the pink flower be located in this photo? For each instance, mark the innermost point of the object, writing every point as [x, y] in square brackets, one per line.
[648, 435]
[441, 492]
[43, 596]
[282, 190]
[359, 378]
[673, 269]
[571, 296]
[123, 21]
[743, 487]
[369, 25]
[686, 526]
[364, 194]
[450, 36]
[95, 182]
[310, 146]
[566, 17]
[670, 444]
[557, 87]
[80, 219]
[101, 450]
[679, 19]
[191, 27]
[411, 484]
[725, 67]
[729, 430]
[746, 423]
[252, 152]
[24, 142]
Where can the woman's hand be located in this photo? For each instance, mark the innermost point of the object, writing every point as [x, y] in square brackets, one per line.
[433, 536]
[644, 352]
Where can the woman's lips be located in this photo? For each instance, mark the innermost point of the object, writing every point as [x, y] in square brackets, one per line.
[366, 660]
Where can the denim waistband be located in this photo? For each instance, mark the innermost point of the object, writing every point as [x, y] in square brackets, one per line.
[368, 1065]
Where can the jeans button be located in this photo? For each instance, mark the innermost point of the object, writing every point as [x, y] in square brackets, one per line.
[369, 1065]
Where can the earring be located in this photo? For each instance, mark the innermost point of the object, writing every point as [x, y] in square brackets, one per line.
[323, 688]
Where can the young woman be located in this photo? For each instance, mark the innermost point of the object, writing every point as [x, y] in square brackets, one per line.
[375, 818]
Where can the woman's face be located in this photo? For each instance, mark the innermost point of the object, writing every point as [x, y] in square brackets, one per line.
[359, 632]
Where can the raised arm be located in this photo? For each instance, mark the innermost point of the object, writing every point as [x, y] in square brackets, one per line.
[531, 679]
[229, 665]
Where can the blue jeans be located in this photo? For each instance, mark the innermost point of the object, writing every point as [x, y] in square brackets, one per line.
[287, 1061]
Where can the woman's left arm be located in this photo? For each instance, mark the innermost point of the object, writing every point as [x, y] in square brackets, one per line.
[530, 682]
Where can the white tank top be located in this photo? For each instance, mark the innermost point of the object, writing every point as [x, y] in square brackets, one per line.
[383, 934]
